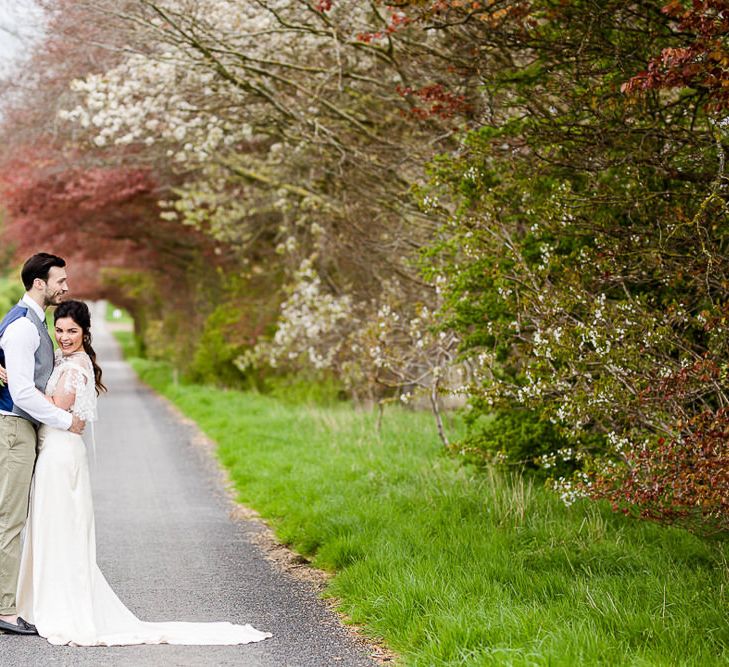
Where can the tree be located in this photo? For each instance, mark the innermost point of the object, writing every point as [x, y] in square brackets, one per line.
[314, 161]
[585, 262]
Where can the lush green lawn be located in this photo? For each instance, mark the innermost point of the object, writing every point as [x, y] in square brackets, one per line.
[118, 315]
[453, 567]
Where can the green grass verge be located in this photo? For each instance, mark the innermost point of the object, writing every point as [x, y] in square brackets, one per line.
[118, 315]
[128, 342]
[455, 567]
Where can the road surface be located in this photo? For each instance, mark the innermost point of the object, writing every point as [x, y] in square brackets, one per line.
[170, 550]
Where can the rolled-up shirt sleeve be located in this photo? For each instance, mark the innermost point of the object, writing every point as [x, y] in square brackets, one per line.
[20, 341]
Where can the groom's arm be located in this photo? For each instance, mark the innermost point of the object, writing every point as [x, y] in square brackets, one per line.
[20, 341]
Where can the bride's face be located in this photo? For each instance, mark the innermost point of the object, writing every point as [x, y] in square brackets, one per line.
[69, 335]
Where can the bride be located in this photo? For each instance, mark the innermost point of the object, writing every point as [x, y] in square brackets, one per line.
[61, 589]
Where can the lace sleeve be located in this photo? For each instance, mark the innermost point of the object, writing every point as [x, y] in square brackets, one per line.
[78, 380]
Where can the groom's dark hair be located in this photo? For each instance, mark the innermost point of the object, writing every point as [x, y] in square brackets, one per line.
[38, 266]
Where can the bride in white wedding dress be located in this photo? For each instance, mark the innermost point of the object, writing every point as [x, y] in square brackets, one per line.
[61, 589]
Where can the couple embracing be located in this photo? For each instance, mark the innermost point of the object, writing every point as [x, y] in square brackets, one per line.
[49, 581]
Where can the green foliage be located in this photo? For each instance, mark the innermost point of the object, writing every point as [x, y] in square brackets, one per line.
[11, 291]
[451, 567]
[585, 260]
[204, 330]
[129, 343]
[517, 438]
[217, 349]
[297, 390]
[116, 315]
[155, 373]
[303, 389]
[579, 236]
[137, 289]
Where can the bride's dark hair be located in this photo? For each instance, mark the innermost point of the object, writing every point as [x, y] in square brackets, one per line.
[78, 311]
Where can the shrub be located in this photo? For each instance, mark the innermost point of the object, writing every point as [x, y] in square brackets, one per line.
[680, 480]
[517, 438]
[217, 349]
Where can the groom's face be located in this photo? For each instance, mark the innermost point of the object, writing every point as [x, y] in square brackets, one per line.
[56, 286]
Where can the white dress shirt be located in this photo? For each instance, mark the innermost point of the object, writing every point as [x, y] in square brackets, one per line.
[20, 342]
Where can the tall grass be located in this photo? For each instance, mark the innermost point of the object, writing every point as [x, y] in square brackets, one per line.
[457, 567]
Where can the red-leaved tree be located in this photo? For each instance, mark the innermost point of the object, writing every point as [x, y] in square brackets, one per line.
[700, 60]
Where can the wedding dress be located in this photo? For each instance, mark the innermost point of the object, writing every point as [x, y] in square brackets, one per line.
[61, 589]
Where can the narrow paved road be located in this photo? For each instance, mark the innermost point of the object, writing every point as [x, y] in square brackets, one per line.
[169, 549]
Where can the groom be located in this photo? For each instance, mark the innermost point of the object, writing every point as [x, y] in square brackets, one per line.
[26, 351]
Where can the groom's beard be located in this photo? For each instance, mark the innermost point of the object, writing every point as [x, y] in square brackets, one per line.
[54, 299]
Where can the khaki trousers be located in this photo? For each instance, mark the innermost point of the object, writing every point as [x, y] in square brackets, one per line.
[17, 458]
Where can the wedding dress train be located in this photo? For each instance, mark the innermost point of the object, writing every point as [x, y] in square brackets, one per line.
[61, 589]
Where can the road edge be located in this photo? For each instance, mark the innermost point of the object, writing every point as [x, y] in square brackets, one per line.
[287, 561]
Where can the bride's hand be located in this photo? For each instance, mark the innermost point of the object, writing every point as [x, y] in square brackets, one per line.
[3, 375]
[77, 425]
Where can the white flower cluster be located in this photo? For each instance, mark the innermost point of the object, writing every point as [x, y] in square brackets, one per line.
[213, 204]
[533, 389]
[564, 454]
[169, 92]
[309, 322]
[144, 100]
[208, 91]
[618, 443]
[571, 490]
[410, 341]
